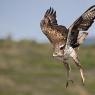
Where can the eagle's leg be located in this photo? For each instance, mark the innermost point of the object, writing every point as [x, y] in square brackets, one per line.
[73, 54]
[77, 62]
[67, 66]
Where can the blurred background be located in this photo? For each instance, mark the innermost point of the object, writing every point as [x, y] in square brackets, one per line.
[26, 63]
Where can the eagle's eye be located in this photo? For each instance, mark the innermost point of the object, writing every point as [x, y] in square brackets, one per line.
[62, 47]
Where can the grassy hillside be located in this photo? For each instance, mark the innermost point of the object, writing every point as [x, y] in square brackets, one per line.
[28, 68]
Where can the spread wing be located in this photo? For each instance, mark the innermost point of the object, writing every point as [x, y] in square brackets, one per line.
[81, 24]
[54, 32]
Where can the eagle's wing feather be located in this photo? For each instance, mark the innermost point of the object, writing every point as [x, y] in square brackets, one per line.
[54, 32]
[51, 15]
[81, 24]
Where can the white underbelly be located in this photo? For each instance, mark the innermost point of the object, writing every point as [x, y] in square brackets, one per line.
[68, 52]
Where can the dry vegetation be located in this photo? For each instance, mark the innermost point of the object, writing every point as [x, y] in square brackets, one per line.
[27, 68]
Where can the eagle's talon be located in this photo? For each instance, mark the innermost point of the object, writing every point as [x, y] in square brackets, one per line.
[67, 83]
[71, 81]
[83, 83]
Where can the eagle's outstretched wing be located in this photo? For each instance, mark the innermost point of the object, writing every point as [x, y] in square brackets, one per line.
[81, 24]
[54, 32]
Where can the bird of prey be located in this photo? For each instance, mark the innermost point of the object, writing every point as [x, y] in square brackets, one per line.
[66, 41]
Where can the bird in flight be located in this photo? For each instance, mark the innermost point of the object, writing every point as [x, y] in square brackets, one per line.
[66, 41]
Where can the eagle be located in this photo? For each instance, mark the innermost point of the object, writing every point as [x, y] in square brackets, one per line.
[66, 41]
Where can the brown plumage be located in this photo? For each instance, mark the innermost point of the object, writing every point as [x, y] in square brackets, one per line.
[54, 32]
[65, 40]
[81, 24]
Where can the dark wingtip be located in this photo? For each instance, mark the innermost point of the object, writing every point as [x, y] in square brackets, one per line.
[54, 13]
[50, 7]
[93, 6]
[50, 11]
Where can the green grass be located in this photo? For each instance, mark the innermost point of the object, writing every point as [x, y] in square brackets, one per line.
[28, 68]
